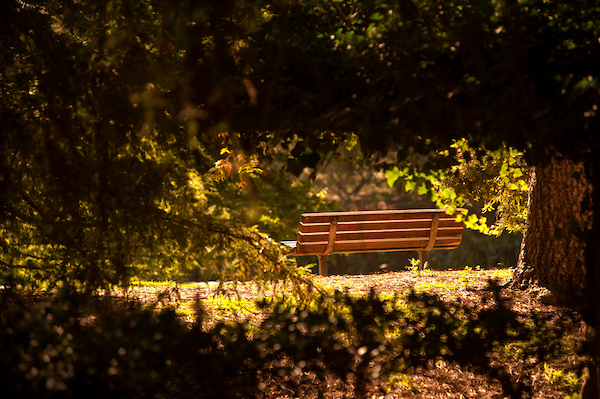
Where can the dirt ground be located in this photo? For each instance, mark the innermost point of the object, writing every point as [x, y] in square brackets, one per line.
[442, 381]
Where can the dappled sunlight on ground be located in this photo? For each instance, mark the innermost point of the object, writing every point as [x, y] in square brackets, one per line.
[465, 287]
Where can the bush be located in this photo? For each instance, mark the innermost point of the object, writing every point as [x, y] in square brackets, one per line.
[74, 346]
[71, 345]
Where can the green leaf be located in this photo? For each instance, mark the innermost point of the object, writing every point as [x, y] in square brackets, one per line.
[376, 17]
[473, 219]
[392, 175]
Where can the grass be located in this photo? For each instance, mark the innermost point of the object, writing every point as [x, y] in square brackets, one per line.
[240, 301]
[566, 380]
[224, 305]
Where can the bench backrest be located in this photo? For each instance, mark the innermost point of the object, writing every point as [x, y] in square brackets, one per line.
[377, 231]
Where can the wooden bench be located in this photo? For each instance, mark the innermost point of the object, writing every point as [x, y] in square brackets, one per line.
[421, 230]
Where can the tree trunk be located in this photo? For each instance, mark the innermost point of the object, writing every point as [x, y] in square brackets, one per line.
[591, 388]
[559, 219]
[560, 248]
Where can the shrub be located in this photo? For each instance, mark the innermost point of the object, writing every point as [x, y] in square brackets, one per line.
[73, 345]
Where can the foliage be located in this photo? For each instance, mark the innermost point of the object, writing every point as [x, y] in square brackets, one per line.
[479, 249]
[269, 198]
[116, 158]
[126, 351]
[421, 73]
[496, 179]
[565, 379]
[115, 116]
[53, 348]
[414, 266]
[177, 92]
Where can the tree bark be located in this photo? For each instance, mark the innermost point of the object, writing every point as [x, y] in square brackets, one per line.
[591, 387]
[559, 220]
[560, 250]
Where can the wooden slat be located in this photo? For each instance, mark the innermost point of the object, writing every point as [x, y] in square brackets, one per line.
[410, 243]
[416, 243]
[373, 215]
[365, 235]
[376, 246]
[377, 225]
[342, 218]
[380, 234]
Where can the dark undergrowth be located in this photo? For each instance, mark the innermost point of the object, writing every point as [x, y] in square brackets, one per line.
[68, 346]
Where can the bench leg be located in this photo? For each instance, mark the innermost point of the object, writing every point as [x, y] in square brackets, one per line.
[422, 259]
[322, 265]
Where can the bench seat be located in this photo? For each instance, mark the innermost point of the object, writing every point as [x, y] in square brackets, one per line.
[422, 230]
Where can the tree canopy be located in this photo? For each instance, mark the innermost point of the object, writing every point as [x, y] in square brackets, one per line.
[150, 131]
[502, 71]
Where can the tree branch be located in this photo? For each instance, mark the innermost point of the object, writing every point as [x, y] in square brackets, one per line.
[339, 9]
